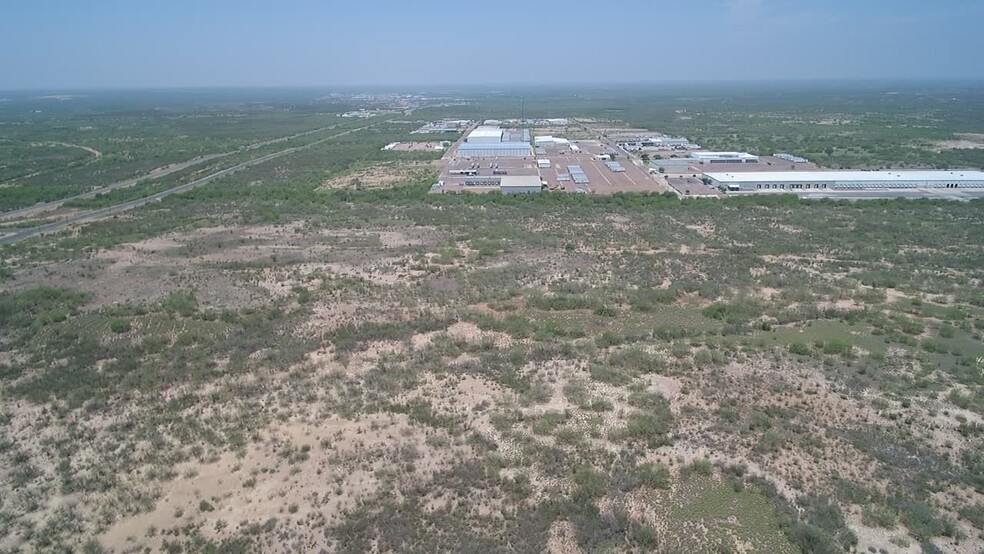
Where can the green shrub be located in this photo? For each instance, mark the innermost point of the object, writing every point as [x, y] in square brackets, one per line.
[812, 539]
[38, 307]
[973, 514]
[607, 374]
[589, 485]
[653, 475]
[119, 326]
[600, 405]
[799, 349]
[610, 338]
[741, 309]
[924, 522]
[561, 302]
[606, 311]
[877, 515]
[548, 422]
[636, 360]
[182, 303]
[837, 347]
[959, 399]
[651, 428]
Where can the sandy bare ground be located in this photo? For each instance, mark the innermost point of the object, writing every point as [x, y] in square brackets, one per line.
[88, 149]
[384, 174]
[962, 141]
[308, 472]
[145, 270]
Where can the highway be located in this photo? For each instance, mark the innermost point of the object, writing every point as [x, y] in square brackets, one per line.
[153, 174]
[26, 233]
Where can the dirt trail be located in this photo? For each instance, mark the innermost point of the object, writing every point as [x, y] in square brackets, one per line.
[88, 149]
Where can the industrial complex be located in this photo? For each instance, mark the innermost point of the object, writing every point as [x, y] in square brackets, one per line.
[533, 158]
[533, 155]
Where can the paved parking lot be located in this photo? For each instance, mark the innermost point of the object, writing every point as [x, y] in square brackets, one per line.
[689, 186]
[484, 169]
[601, 179]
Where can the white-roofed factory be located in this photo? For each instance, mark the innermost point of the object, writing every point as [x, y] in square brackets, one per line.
[845, 180]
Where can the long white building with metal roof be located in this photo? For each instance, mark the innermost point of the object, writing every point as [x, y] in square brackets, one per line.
[485, 134]
[724, 157]
[845, 180]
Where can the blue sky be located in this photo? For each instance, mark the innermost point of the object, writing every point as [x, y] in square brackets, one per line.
[178, 43]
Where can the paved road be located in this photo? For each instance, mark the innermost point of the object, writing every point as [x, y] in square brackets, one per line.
[22, 234]
[154, 174]
[452, 151]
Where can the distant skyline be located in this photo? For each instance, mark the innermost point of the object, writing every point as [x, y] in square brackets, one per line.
[62, 44]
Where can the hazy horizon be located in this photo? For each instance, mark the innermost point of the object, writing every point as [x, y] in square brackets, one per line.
[504, 88]
[384, 44]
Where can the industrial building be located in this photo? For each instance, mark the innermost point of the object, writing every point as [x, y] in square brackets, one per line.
[517, 184]
[725, 157]
[796, 181]
[578, 175]
[493, 150]
[790, 157]
[663, 142]
[488, 141]
[547, 139]
[484, 134]
[671, 164]
[443, 126]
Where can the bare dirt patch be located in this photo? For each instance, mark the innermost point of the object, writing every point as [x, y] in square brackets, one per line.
[384, 174]
[962, 141]
[303, 474]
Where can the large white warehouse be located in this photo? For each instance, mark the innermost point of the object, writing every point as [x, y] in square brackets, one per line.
[845, 180]
[494, 150]
[485, 134]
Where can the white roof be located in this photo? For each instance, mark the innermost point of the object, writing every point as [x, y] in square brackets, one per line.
[485, 131]
[848, 176]
[548, 138]
[494, 146]
[704, 154]
[520, 181]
